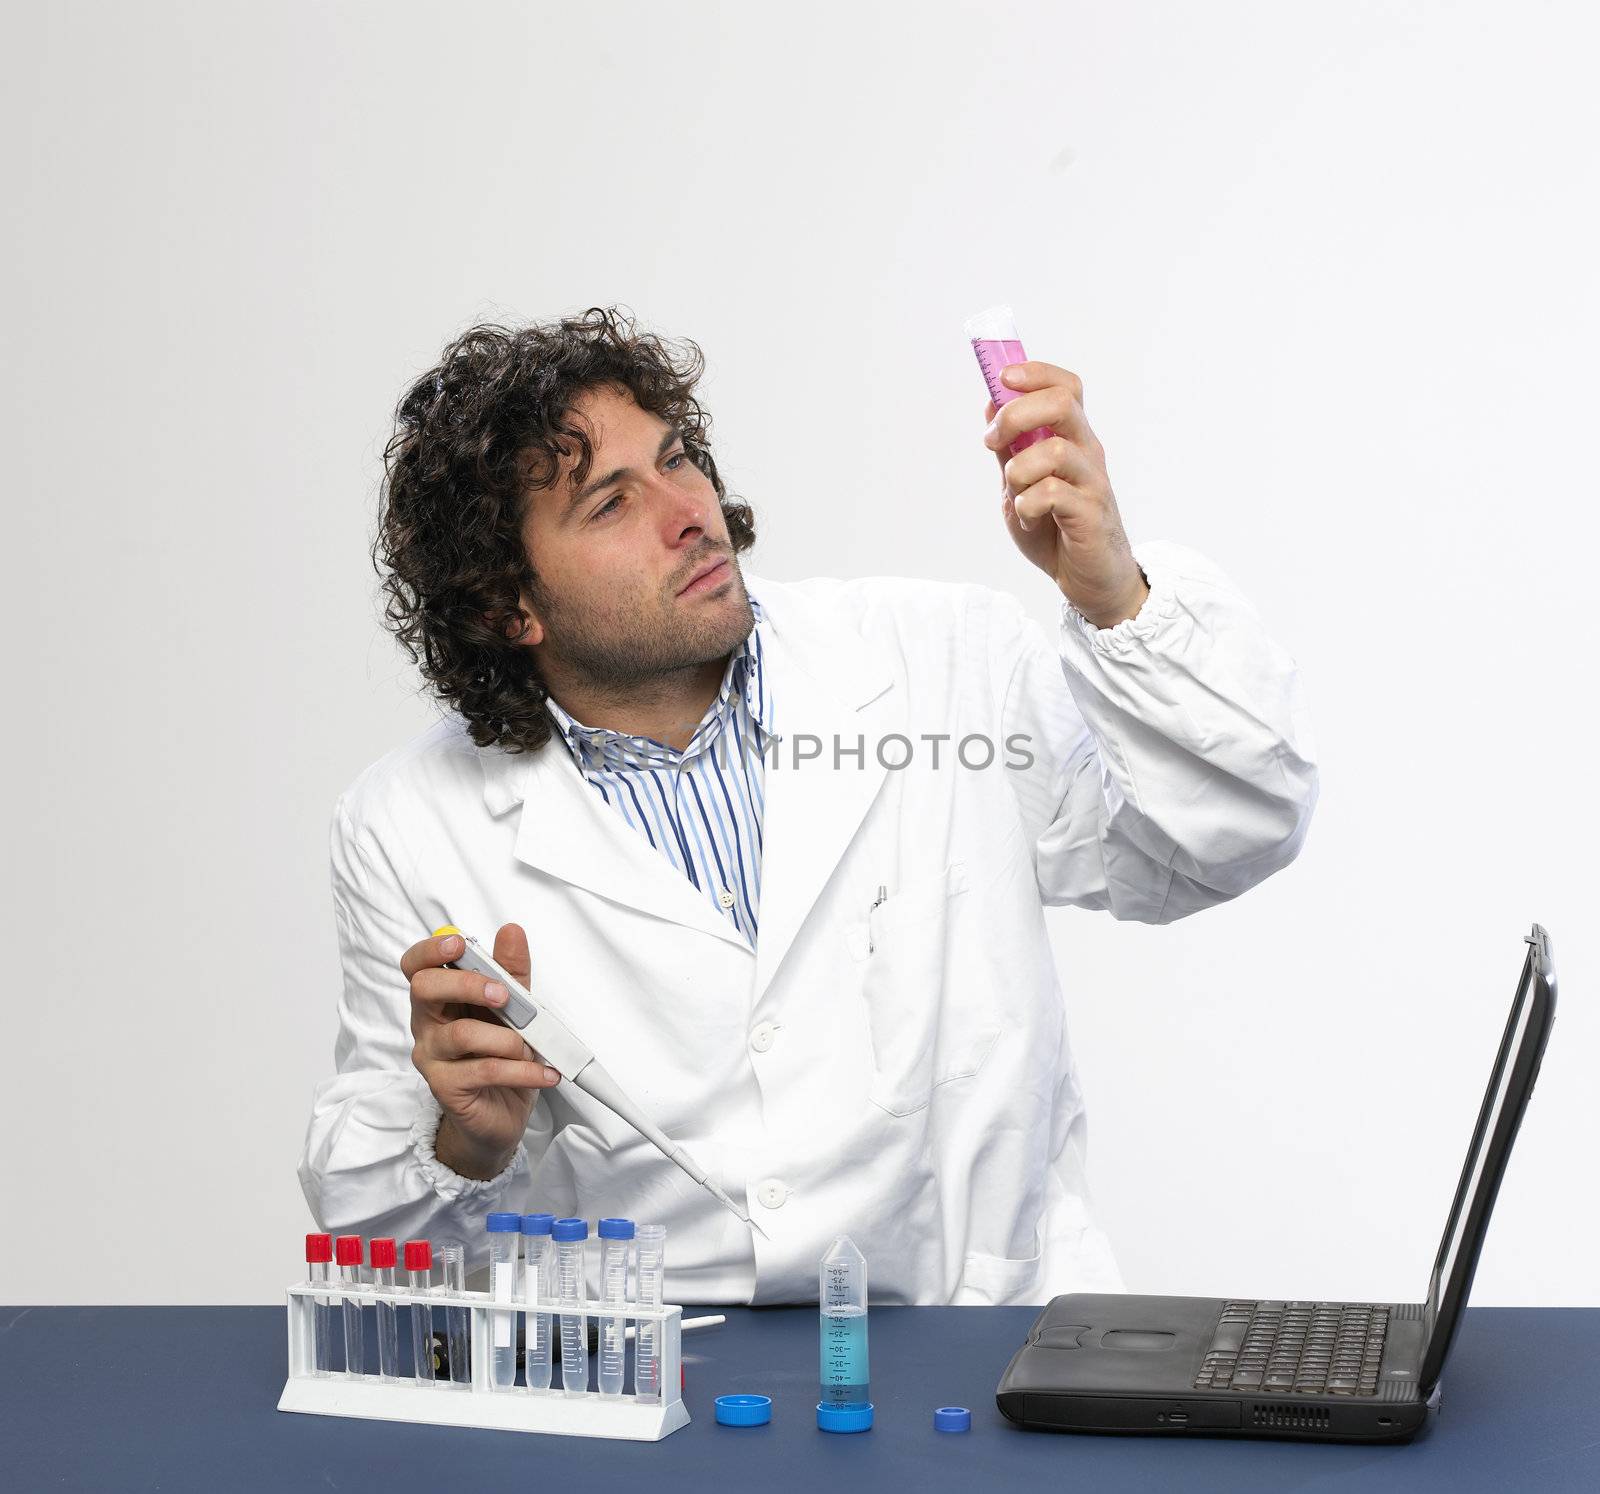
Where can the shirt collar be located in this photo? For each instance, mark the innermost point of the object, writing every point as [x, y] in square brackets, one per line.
[745, 671]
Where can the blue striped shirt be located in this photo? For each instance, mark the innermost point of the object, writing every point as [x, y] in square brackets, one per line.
[702, 807]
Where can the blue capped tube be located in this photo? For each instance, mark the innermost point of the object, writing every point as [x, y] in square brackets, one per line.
[539, 1290]
[569, 1235]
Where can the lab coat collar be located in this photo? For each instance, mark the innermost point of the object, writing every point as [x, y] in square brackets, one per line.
[827, 681]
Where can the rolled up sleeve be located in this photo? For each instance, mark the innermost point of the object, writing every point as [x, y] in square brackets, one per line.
[1173, 764]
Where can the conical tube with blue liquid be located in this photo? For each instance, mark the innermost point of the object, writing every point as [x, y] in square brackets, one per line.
[846, 1404]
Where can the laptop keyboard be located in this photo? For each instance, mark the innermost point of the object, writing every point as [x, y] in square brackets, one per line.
[1319, 1348]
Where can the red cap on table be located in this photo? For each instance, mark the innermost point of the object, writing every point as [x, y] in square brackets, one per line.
[349, 1250]
[319, 1249]
[419, 1255]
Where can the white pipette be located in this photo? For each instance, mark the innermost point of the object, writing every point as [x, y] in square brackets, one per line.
[550, 1037]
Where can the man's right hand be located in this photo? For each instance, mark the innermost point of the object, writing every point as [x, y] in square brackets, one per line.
[483, 1075]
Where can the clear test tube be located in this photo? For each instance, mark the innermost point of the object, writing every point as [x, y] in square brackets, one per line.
[319, 1254]
[993, 334]
[347, 1249]
[539, 1290]
[569, 1235]
[505, 1239]
[458, 1320]
[615, 1237]
[380, 1256]
[650, 1241]
[419, 1264]
[846, 1404]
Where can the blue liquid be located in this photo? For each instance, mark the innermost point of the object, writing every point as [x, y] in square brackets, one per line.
[844, 1356]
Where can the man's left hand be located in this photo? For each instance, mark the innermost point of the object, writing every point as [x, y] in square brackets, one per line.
[1058, 502]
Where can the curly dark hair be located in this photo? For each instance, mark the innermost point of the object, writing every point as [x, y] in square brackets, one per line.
[474, 437]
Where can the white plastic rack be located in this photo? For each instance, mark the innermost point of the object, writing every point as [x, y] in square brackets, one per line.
[445, 1403]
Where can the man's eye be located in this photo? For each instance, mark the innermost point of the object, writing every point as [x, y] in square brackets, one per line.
[677, 456]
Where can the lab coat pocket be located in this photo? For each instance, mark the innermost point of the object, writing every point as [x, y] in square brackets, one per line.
[995, 1281]
[922, 1033]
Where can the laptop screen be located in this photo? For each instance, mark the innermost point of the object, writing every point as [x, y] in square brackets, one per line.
[1510, 1084]
[1472, 1173]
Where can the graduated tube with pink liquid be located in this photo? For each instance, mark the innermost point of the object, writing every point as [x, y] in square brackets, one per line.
[994, 339]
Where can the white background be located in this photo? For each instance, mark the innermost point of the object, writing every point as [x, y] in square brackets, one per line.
[1328, 274]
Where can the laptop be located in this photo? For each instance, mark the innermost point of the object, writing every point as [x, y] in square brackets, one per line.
[1238, 1366]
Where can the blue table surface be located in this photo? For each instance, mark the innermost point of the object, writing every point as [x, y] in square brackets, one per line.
[179, 1398]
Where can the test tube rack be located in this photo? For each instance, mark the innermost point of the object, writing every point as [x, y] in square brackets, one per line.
[446, 1403]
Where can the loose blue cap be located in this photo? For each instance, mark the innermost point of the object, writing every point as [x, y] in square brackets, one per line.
[500, 1224]
[744, 1410]
[952, 1419]
[537, 1224]
[844, 1418]
[570, 1229]
[616, 1229]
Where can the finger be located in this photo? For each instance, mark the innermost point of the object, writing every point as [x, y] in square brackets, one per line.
[1053, 498]
[511, 952]
[492, 1073]
[425, 954]
[1001, 455]
[469, 1037]
[434, 990]
[1053, 409]
[1030, 479]
[1032, 374]
[1055, 457]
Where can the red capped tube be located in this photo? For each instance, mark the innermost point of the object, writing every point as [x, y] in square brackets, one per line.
[319, 1255]
[419, 1262]
[347, 1251]
[380, 1255]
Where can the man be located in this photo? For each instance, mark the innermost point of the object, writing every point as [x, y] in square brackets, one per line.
[777, 850]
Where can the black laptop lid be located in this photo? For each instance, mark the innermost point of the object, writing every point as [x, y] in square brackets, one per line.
[1515, 1068]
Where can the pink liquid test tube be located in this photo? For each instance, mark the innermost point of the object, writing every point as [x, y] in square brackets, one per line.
[993, 333]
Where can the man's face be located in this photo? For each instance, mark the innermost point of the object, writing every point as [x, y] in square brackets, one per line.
[617, 557]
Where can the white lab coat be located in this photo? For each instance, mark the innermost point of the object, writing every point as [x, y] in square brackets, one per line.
[902, 1074]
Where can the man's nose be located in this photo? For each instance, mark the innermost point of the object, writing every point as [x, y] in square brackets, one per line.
[684, 514]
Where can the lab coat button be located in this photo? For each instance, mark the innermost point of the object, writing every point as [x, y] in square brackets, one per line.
[772, 1194]
[725, 898]
[763, 1037]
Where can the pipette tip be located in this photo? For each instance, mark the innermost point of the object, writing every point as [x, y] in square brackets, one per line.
[737, 1212]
